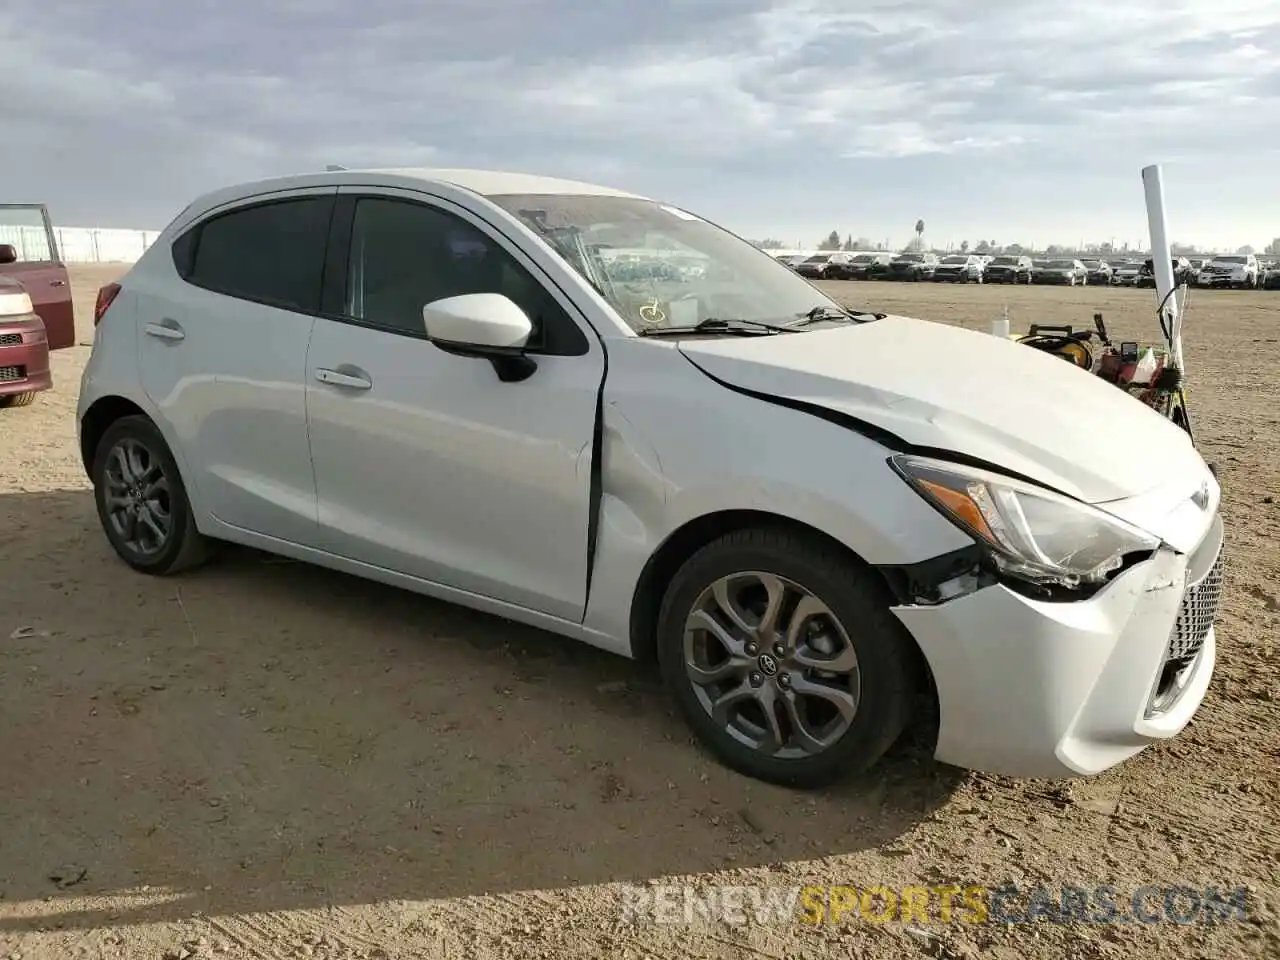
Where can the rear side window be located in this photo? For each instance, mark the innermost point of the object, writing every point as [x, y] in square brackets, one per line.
[270, 253]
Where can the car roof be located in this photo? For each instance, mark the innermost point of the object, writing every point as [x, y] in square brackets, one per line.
[488, 183]
[484, 182]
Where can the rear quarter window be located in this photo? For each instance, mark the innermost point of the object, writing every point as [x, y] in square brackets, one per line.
[270, 253]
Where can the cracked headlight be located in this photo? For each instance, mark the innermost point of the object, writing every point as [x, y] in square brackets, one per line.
[1030, 532]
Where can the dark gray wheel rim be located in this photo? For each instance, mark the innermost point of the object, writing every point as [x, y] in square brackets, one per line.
[138, 497]
[772, 665]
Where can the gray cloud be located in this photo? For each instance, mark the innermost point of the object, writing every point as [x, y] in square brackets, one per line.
[782, 117]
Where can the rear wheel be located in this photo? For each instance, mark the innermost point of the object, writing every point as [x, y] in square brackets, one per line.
[18, 400]
[784, 658]
[142, 502]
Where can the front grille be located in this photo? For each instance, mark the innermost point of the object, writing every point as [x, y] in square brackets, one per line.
[12, 374]
[1196, 614]
[10, 339]
[1195, 618]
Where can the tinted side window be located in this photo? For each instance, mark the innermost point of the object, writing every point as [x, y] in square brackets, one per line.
[271, 253]
[405, 255]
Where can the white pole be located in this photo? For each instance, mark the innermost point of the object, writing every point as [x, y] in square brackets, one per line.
[1162, 260]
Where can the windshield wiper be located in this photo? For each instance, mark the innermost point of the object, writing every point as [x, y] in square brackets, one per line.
[739, 328]
[820, 313]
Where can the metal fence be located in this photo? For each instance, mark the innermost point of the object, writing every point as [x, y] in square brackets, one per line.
[79, 244]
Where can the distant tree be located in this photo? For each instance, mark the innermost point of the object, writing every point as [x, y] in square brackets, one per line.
[982, 247]
[832, 242]
[1182, 249]
[1053, 250]
[1245, 250]
[964, 246]
[769, 244]
[1273, 248]
[1016, 249]
[864, 243]
[848, 242]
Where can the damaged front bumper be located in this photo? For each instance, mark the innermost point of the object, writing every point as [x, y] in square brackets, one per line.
[1033, 688]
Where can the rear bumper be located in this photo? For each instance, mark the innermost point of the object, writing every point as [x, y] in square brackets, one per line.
[24, 357]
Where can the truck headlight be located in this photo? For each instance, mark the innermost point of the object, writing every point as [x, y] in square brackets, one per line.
[1029, 532]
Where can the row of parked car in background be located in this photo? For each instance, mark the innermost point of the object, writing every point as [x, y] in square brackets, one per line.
[1234, 271]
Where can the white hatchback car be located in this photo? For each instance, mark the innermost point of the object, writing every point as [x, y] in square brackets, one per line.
[808, 515]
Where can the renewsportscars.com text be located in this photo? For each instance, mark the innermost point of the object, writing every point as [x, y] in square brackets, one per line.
[970, 904]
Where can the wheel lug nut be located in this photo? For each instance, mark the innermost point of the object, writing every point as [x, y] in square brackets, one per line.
[784, 680]
[756, 679]
[779, 650]
[752, 649]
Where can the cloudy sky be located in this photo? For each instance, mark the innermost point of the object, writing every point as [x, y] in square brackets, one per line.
[1024, 121]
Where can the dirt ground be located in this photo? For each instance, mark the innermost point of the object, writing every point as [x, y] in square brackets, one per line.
[265, 760]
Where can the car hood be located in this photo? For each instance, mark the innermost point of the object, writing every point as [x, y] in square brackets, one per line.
[959, 391]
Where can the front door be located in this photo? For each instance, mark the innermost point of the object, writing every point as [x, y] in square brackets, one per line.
[425, 462]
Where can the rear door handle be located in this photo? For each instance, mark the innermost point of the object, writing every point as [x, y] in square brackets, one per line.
[337, 378]
[166, 330]
[57, 283]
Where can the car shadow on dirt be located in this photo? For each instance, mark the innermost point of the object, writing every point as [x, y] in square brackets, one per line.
[263, 735]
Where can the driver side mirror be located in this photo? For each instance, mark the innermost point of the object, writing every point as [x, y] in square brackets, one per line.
[489, 326]
[8, 253]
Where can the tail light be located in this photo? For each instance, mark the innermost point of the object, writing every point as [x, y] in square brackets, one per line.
[106, 296]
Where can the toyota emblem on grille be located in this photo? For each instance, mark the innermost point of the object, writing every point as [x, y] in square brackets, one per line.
[1201, 497]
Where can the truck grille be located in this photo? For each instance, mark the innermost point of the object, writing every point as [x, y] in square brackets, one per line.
[10, 339]
[12, 374]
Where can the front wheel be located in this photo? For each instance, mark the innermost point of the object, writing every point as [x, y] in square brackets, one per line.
[784, 658]
[142, 502]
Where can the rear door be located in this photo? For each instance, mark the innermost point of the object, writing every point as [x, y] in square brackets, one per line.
[39, 269]
[223, 328]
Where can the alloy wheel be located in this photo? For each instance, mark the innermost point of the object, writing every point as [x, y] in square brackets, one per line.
[772, 665]
[137, 497]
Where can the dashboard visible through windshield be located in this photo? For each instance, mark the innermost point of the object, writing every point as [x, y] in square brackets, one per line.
[659, 266]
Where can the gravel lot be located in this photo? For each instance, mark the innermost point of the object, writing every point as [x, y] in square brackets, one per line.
[264, 759]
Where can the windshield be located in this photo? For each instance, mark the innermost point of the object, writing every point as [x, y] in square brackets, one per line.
[956, 260]
[1061, 264]
[820, 258]
[863, 258]
[1005, 260]
[909, 258]
[1230, 260]
[657, 265]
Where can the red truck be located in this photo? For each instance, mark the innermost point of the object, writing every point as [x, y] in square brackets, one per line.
[36, 311]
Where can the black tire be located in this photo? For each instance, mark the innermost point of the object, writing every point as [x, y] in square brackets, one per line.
[855, 599]
[184, 547]
[18, 400]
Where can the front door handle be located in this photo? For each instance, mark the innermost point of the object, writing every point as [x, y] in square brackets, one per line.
[166, 330]
[57, 283]
[337, 378]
